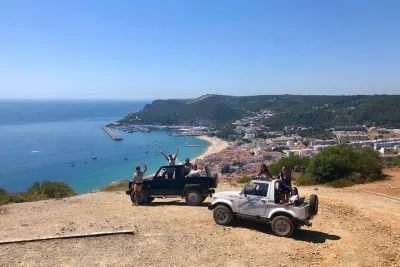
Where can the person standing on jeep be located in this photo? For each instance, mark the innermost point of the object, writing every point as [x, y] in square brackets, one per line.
[285, 184]
[171, 162]
[264, 174]
[138, 182]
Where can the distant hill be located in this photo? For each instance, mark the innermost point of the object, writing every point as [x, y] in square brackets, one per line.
[306, 110]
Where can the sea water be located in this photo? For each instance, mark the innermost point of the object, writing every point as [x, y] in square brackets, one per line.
[55, 140]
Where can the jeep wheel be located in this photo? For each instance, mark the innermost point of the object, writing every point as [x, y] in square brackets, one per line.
[313, 205]
[282, 226]
[222, 215]
[142, 198]
[193, 197]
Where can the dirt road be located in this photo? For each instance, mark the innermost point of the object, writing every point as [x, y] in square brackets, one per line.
[353, 228]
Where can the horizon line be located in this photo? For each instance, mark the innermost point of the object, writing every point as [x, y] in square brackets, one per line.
[148, 99]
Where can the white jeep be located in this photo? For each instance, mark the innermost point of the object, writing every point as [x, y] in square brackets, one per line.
[260, 200]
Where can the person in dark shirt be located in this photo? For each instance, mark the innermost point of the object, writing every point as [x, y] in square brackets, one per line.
[187, 166]
[285, 185]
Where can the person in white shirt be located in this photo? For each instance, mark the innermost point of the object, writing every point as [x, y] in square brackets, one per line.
[295, 197]
[138, 182]
[194, 172]
[171, 162]
[264, 174]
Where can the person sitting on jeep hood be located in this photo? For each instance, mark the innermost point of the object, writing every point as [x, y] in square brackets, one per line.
[193, 172]
[295, 197]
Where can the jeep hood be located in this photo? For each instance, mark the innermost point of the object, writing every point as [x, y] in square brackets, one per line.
[226, 193]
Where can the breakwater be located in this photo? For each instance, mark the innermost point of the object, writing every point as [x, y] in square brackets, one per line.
[111, 134]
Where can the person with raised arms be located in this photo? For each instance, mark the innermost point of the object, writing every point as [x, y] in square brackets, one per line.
[171, 162]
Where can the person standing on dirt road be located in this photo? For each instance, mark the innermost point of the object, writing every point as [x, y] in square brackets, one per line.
[138, 182]
[171, 162]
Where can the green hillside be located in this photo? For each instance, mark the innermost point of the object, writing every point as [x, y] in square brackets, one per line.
[291, 110]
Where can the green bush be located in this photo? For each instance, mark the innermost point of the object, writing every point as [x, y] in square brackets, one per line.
[305, 179]
[244, 179]
[390, 163]
[118, 186]
[289, 162]
[38, 191]
[51, 189]
[337, 162]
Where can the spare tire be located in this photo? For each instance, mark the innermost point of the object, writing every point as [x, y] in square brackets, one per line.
[215, 178]
[313, 205]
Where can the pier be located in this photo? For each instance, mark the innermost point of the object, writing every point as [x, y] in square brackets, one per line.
[111, 134]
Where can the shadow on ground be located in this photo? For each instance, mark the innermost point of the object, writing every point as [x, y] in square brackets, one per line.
[304, 234]
[174, 203]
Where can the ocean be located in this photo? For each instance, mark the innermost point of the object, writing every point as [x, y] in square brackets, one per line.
[39, 140]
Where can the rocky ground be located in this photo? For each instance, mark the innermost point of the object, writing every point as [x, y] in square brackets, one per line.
[354, 228]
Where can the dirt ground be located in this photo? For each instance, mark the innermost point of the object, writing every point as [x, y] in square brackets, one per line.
[353, 228]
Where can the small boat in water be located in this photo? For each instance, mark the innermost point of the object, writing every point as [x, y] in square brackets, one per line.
[147, 151]
[72, 164]
[85, 161]
[94, 157]
[125, 158]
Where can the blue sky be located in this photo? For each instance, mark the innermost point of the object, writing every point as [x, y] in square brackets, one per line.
[159, 49]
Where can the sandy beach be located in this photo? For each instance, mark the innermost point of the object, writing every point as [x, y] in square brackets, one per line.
[216, 146]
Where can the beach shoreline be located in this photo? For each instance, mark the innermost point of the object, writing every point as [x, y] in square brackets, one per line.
[216, 145]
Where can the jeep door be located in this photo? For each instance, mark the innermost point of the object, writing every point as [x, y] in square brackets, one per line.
[160, 185]
[253, 199]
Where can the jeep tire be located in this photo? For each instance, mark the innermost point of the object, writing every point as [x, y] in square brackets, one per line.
[193, 197]
[313, 205]
[222, 215]
[143, 198]
[282, 226]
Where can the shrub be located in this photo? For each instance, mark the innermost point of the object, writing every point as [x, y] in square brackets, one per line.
[389, 162]
[51, 189]
[118, 186]
[38, 191]
[305, 179]
[244, 179]
[289, 162]
[2, 191]
[340, 161]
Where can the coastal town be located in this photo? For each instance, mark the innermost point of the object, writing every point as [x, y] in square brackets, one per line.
[251, 143]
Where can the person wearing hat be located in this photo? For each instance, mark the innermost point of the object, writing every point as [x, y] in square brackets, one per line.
[193, 172]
